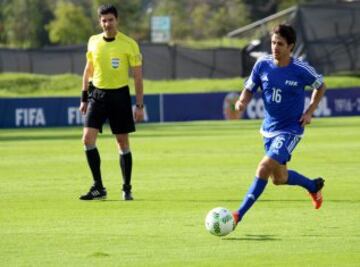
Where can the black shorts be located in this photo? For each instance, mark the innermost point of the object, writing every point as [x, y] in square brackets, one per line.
[111, 104]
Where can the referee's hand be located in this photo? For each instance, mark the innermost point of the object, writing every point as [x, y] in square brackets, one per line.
[139, 114]
[83, 107]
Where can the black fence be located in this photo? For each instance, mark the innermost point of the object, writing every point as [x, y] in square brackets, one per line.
[331, 35]
[160, 61]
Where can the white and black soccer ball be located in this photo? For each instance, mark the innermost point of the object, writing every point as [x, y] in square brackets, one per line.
[219, 221]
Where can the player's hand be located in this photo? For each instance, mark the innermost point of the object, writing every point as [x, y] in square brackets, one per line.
[305, 119]
[139, 114]
[83, 107]
[239, 106]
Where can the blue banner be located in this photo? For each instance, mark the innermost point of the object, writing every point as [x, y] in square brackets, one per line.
[188, 107]
[63, 111]
[335, 103]
[56, 111]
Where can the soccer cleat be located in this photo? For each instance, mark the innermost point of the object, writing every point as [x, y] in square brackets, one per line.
[127, 192]
[127, 196]
[94, 194]
[316, 197]
[236, 217]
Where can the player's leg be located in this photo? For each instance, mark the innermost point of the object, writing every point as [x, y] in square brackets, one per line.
[264, 170]
[280, 150]
[125, 164]
[282, 176]
[313, 186]
[279, 175]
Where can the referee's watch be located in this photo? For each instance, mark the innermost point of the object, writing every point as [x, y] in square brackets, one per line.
[140, 106]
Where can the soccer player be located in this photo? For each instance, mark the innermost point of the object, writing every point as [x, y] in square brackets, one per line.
[281, 79]
[110, 55]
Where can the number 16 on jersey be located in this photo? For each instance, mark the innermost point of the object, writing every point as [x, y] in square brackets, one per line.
[276, 95]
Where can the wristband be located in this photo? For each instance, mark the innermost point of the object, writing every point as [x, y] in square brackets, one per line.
[84, 96]
[140, 106]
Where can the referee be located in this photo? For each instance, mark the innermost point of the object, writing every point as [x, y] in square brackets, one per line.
[105, 95]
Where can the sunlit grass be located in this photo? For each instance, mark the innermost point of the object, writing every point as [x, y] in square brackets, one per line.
[32, 85]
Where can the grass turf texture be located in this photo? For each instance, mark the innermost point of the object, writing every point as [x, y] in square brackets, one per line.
[181, 171]
[33, 85]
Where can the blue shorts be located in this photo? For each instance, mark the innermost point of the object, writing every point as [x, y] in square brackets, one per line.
[279, 147]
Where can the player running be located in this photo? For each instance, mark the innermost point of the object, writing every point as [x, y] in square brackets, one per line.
[282, 80]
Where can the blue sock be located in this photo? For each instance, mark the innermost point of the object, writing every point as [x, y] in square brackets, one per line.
[252, 195]
[295, 178]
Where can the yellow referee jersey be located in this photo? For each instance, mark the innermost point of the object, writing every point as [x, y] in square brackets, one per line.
[111, 60]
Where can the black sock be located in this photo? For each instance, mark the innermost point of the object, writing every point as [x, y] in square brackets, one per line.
[126, 166]
[93, 158]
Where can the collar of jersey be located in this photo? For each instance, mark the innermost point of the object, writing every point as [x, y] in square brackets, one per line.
[108, 39]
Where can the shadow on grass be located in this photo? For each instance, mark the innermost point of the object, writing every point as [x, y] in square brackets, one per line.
[17, 138]
[253, 238]
[99, 254]
[157, 130]
[307, 200]
[20, 138]
[238, 200]
[143, 131]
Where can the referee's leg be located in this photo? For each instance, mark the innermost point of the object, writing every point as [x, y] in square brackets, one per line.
[92, 154]
[125, 160]
[97, 191]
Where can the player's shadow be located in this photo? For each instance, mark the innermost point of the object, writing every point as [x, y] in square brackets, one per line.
[253, 238]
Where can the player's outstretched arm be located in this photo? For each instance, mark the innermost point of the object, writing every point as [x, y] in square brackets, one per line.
[243, 100]
[316, 96]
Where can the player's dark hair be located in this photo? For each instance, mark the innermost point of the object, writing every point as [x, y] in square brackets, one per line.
[107, 9]
[287, 32]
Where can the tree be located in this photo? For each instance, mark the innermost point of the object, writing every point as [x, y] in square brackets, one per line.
[227, 16]
[2, 27]
[200, 17]
[178, 11]
[70, 25]
[283, 4]
[23, 22]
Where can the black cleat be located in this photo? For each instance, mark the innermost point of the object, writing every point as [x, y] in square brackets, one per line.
[127, 192]
[127, 196]
[94, 194]
[319, 183]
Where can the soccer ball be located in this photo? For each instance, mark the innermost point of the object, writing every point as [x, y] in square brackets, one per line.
[219, 221]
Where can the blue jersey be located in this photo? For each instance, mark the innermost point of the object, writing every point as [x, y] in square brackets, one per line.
[283, 93]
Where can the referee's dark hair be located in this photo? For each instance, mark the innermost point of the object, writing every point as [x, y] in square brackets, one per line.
[287, 32]
[107, 9]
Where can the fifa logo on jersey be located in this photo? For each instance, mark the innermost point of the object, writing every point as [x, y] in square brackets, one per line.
[115, 62]
[264, 78]
[291, 83]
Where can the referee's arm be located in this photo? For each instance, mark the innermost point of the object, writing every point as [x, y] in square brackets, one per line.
[139, 91]
[88, 73]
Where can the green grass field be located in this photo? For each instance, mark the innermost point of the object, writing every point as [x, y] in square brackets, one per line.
[35, 85]
[181, 171]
